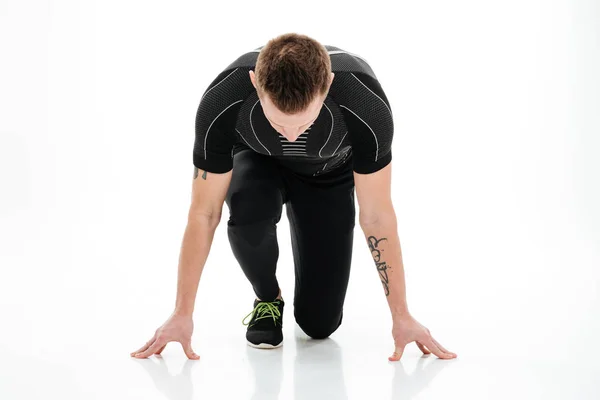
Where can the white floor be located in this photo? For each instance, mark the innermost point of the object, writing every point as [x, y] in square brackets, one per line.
[69, 323]
[496, 186]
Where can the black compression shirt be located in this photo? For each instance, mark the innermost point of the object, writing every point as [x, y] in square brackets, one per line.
[355, 118]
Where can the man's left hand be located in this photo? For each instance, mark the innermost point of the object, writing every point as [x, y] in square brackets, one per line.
[406, 329]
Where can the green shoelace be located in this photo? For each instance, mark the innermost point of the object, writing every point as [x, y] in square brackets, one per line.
[264, 309]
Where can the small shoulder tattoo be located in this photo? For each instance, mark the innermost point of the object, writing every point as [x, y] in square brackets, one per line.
[196, 173]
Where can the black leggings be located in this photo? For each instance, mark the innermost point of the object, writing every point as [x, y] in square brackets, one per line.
[321, 215]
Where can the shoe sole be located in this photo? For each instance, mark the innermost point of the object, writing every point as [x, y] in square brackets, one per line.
[264, 345]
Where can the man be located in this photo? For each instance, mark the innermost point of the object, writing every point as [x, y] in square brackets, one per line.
[302, 124]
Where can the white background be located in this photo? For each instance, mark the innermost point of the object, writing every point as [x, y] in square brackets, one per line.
[496, 177]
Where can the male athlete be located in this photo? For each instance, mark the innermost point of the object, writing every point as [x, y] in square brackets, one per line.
[299, 124]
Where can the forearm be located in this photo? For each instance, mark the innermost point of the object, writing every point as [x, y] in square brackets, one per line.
[384, 243]
[195, 247]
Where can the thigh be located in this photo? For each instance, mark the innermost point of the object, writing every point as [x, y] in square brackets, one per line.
[321, 212]
[256, 189]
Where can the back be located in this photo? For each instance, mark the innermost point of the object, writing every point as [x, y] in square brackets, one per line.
[355, 117]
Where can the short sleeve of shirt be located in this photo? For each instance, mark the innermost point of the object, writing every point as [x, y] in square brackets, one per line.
[369, 119]
[215, 124]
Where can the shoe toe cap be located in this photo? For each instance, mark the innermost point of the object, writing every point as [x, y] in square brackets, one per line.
[269, 337]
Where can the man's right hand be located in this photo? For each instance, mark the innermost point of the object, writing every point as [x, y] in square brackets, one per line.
[177, 328]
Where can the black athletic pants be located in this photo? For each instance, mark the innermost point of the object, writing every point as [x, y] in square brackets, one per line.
[321, 215]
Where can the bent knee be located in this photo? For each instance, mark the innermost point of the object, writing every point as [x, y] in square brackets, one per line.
[318, 327]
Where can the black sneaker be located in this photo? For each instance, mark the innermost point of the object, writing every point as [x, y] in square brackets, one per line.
[266, 322]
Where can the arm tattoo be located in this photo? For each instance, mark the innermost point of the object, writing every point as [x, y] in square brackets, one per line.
[382, 266]
[196, 173]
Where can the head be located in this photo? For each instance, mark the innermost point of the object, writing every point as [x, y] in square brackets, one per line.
[292, 78]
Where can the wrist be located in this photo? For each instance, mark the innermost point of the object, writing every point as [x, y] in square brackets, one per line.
[400, 313]
[183, 312]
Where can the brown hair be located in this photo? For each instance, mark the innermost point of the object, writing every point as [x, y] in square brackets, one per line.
[292, 69]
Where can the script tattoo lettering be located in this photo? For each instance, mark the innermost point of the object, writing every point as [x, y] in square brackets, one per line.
[382, 266]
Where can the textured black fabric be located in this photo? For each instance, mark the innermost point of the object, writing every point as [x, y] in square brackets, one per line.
[356, 116]
[215, 121]
[321, 213]
[369, 119]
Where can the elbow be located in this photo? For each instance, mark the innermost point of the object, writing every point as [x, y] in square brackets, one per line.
[377, 218]
[365, 220]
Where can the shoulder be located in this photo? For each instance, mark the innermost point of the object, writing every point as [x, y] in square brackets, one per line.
[346, 61]
[355, 86]
[236, 75]
[364, 104]
[227, 92]
[366, 110]
[232, 84]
